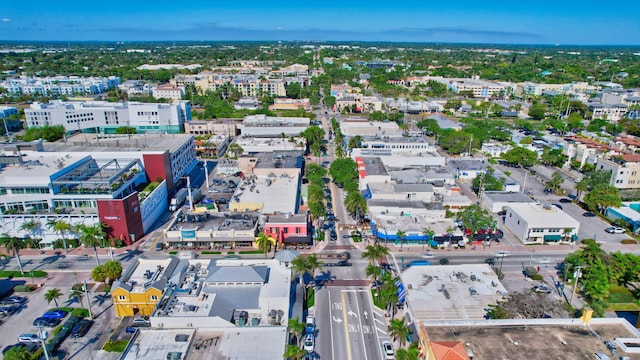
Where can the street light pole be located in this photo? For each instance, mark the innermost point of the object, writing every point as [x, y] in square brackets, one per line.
[575, 284]
[44, 345]
[86, 294]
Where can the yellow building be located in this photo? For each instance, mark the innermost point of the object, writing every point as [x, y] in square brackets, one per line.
[139, 290]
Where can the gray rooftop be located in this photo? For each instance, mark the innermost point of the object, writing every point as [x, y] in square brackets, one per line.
[236, 274]
[374, 166]
[509, 197]
[406, 204]
[467, 164]
[121, 143]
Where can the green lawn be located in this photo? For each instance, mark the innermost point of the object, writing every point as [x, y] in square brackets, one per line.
[620, 294]
[311, 297]
[27, 274]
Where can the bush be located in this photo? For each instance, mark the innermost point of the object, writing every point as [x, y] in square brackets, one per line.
[23, 288]
[27, 274]
[173, 252]
[251, 252]
[628, 241]
[536, 277]
[230, 252]
[211, 252]
[83, 313]
[57, 330]
[115, 346]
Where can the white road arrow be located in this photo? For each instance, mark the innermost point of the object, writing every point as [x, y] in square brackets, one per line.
[338, 320]
[366, 315]
[351, 313]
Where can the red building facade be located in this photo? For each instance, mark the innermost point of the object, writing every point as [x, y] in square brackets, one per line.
[122, 217]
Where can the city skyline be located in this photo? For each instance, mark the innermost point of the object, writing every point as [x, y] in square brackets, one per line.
[404, 21]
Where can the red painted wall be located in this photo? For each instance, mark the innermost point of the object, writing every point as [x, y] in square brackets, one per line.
[276, 231]
[122, 216]
[159, 165]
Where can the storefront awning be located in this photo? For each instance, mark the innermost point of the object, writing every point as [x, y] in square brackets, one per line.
[574, 237]
[297, 240]
[552, 238]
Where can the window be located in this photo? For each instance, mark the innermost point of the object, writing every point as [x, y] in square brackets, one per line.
[154, 297]
[122, 297]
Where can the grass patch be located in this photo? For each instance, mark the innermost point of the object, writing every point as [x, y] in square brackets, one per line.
[173, 252]
[211, 252]
[376, 302]
[311, 297]
[624, 307]
[57, 330]
[231, 252]
[115, 346]
[620, 295]
[17, 273]
[83, 313]
[251, 252]
[22, 288]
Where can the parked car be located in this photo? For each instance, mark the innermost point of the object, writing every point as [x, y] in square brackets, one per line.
[557, 205]
[160, 246]
[28, 338]
[8, 310]
[387, 349]
[541, 289]
[310, 325]
[565, 200]
[309, 343]
[490, 261]
[14, 300]
[589, 214]
[81, 328]
[428, 255]
[444, 261]
[55, 314]
[45, 322]
[141, 321]
[615, 230]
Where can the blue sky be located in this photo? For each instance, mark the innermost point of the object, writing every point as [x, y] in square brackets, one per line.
[508, 22]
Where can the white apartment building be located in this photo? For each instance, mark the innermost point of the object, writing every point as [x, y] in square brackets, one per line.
[173, 93]
[59, 85]
[625, 170]
[271, 126]
[479, 88]
[105, 117]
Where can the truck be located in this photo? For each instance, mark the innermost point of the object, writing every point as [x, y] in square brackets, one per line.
[196, 195]
[178, 199]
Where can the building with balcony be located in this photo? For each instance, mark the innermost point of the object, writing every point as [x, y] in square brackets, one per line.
[59, 85]
[106, 117]
[624, 168]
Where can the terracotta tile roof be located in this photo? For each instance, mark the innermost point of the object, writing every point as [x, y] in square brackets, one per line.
[628, 141]
[449, 350]
[630, 157]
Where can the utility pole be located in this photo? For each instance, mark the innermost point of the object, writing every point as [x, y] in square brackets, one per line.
[577, 275]
[470, 141]
[86, 294]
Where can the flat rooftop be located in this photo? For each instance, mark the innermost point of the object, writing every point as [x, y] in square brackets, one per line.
[543, 216]
[471, 288]
[467, 164]
[157, 344]
[276, 193]
[265, 343]
[409, 204]
[508, 196]
[374, 166]
[218, 221]
[148, 271]
[37, 168]
[540, 341]
[120, 143]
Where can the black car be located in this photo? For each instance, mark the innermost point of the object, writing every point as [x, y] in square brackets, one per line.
[557, 205]
[444, 261]
[589, 214]
[81, 328]
[333, 235]
[490, 261]
[45, 322]
[565, 200]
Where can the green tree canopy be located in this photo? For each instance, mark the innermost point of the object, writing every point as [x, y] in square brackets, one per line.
[521, 156]
[476, 218]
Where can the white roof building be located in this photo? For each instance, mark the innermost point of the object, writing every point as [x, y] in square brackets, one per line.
[538, 224]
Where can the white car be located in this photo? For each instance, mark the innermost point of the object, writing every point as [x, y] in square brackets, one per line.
[309, 343]
[429, 255]
[28, 338]
[615, 230]
[544, 260]
[501, 253]
[387, 349]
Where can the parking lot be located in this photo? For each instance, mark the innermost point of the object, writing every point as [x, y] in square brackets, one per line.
[22, 321]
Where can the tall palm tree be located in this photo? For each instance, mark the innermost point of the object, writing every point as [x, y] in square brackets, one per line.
[293, 352]
[92, 236]
[264, 243]
[60, 227]
[53, 295]
[356, 204]
[33, 227]
[375, 253]
[429, 233]
[313, 264]
[299, 267]
[374, 272]
[283, 136]
[389, 295]
[12, 243]
[399, 330]
[401, 235]
[295, 328]
[410, 353]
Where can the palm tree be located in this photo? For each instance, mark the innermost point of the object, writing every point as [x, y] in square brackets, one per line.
[12, 243]
[582, 186]
[389, 295]
[356, 204]
[401, 235]
[294, 352]
[92, 236]
[408, 354]
[60, 227]
[283, 136]
[313, 264]
[399, 330]
[566, 232]
[429, 233]
[295, 328]
[53, 295]
[32, 227]
[374, 253]
[299, 267]
[78, 295]
[264, 243]
[113, 270]
[374, 272]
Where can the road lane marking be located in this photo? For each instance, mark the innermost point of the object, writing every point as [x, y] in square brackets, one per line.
[361, 326]
[346, 326]
[333, 355]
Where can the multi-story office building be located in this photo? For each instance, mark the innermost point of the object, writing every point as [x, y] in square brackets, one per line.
[59, 85]
[172, 93]
[106, 117]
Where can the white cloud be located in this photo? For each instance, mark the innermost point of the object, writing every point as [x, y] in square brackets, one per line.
[6, 20]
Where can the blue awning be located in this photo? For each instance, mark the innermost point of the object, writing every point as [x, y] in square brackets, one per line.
[552, 238]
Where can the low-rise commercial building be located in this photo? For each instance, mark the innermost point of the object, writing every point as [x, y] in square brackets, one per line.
[269, 126]
[539, 224]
